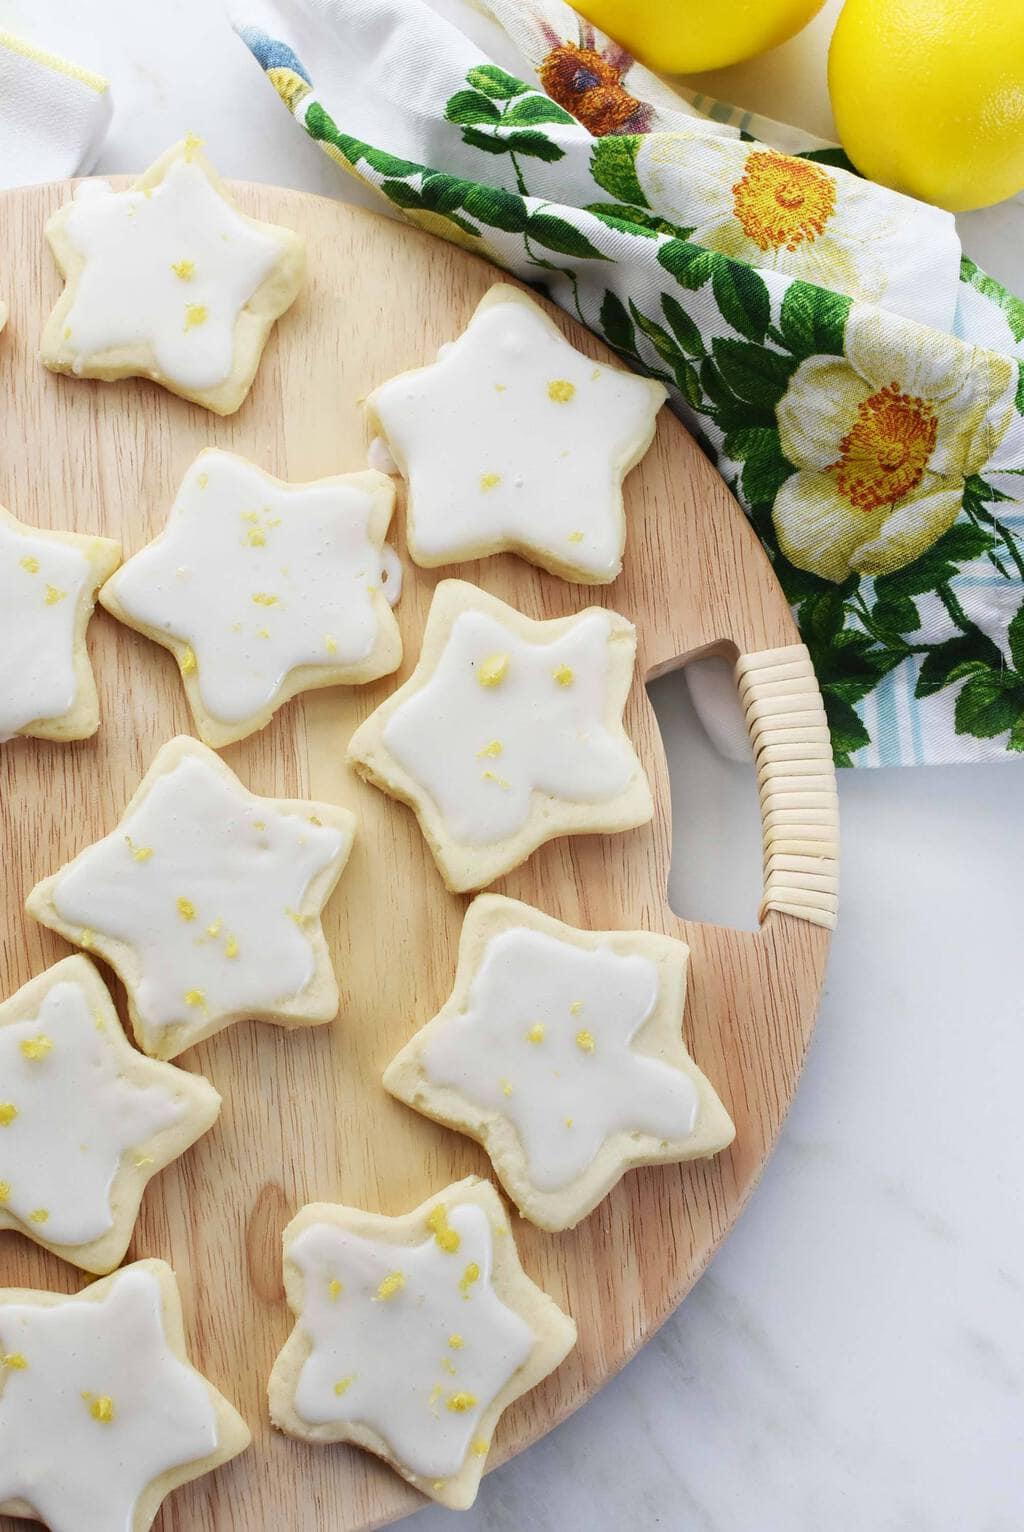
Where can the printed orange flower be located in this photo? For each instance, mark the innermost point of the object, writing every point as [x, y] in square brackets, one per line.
[587, 81]
[883, 440]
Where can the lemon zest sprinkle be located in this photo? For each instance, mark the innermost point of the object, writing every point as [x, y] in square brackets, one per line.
[195, 997]
[39, 1215]
[30, 564]
[576, 1007]
[448, 1366]
[480, 1447]
[506, 1087]
[191, 143]
[186, 909]
[231, 947]
[188, 661]
[437, 1222]
[456, 1342]
[184, 270]
[203, 480]
[8, 1112]
[536, 1033]
[344, 1384]
[461, 1402]
[264, 598]
[15, 1362]
[493, 670]
[489, 481]
[492, 749]
[196, 314]
[53, 595]
[101, 1407]
[392, 1284]
[334, 1289]
[585, 1041]
[492, 776]
[564, 675]
[139, 853]
[575, 537]
[560, 390]
[469, 1276]
[5, 1190]
[36, 1048]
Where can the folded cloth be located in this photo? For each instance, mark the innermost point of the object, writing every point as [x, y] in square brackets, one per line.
[857, 381]
[53, 115]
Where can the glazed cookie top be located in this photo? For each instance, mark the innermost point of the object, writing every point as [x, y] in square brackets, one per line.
[253, 579]
[42, 582]
[95, 1403]
[513, 439]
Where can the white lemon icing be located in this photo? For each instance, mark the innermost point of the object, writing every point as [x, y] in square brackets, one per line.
[41, 584]
[76, 1115]
[545, 1041]
[100, 1409]
[170, 267]
[415, 1345]
[260, 578]
[204, 882]
[514, 437]
[501, 718]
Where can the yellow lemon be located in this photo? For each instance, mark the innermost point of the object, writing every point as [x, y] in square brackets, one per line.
[928, 96]
[682, 36]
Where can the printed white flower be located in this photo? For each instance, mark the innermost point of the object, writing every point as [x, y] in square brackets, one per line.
[883, 440]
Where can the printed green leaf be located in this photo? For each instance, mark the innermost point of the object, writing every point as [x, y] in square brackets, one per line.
[495, 82]
[613, 167]
[956, 658]
[320, 125]
[742, 298]
[753, 373]
[1011, 306]
[847, 728]
[535, 109]
[988, 705]
[634, 220]
[401, 193]
[492, 205]
[849, 665]
[1019, 397]
[821, 621]
[1015, 634]
[896, 614]
[688, 383]
[616, 323]
[621, 225]
[962, 544]
[469, 106]
[660, 339]
[813, 320]
[535, 145]
[1016, 739]
[765, 470]
[689, 264]
[442, 193]
[562, 237]
[685, 330]
[389, 164]
[486, 141]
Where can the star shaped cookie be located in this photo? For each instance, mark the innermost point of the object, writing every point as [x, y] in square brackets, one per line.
[561, 1051]
[169, 281]
[514, 440]
[508, 733]
[85, 1121]
[48, 585]
[101, 1414]
[412, 1334]
[262, 589]
[206, 901]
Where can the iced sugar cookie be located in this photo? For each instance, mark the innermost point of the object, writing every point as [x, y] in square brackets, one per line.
[169, 281]
[561, 1051]
[262, 589]
[48, 585]
[412, 1334]
[508, 733]
[512, 439]
[85, 1121]
[101, 1414]
[206, 901]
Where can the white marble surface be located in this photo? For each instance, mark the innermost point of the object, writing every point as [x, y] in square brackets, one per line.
[854, 1358]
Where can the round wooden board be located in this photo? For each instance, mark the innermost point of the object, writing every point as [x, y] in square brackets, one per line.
[304, 1114]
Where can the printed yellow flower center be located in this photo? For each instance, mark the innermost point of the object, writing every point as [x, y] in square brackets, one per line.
[780, 202]
[885, 453]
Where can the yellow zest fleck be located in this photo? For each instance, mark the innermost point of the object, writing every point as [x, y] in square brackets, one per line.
[568, 1122]
[67, 327]
[263, 598]
[86, 937]
[489, 481]
[435, 1394]
[293, 915]
[460, 1403]
[186, 909]
[99, 1021]
[595, 374]
[259, 824]
[30, 564]
[15, 1362]
[250, 515]
[480, 1447]
[344, 1384]
[5, 1190]
[231, 947]
[585, 1041]
[575, 537]
[39, 1215]
[448, 1366]
[506, 1087]
[492, 776]
[195, 315]
[139, 853]
[53, 595]
[214, 929]
[536, 1033]
[444, 1234]
[493, 670]
[563, 675]
[101, 1407]
[185, 270]
[8, 1112]
[469, 1276]
[314, 820]
[255, 538]
[499, 388]
[36, 1048]
[262, 632]
[334, 1289]
[576, 1007]
[195, 997]
[188, 661]
[392, 1284]
[560, 390]
[203, 480]
[191, 144]
[501, 1230]
[456, 1342]
[493, 749]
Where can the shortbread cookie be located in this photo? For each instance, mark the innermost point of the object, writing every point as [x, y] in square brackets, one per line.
[412, 1334]
[48, 585]
[508, 733]
[85, 1121]
[206, 901]
[561, 1051]
[514, 440]
[262, 589]
[169, 281]
[101, 1413]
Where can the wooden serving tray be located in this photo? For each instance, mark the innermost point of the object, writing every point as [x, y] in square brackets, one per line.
[304, 1114]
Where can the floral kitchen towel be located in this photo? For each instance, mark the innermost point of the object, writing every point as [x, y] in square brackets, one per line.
[857, 382]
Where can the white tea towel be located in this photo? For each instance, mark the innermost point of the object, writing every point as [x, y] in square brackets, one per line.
[54, 115]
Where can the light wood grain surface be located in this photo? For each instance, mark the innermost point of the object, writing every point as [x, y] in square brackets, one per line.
[304, 1115]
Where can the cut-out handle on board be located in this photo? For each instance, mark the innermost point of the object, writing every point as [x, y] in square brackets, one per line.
[796, 782]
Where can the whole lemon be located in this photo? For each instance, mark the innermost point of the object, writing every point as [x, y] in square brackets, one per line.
[683, 36]
[928, 96]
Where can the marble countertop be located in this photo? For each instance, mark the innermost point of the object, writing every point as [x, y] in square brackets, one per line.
[854, 1357]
